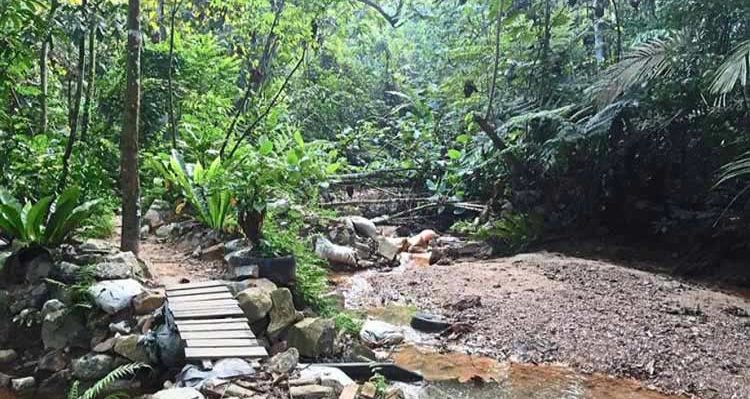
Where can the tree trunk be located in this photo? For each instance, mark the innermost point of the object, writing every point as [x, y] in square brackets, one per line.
[618, 23]
[170, 98]
[43, 90]
[43, 72]
[91, 78]
[162, 33]
[76, 106]
[599, 42]
[129, 138]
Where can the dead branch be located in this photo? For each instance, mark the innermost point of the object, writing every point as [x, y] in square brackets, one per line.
[392, 19]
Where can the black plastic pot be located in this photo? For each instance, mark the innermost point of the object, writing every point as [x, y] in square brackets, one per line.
[281, 270]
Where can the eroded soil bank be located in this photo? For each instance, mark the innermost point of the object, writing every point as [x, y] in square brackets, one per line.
[594, 316]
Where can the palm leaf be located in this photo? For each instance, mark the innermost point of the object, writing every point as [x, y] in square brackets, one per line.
[10, 217]
[644, 62]
[735, 69]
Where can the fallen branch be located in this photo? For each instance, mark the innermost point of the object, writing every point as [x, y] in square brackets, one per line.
[465, 205]
[377, 201]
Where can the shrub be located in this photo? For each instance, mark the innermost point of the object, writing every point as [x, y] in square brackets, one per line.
[49, 222]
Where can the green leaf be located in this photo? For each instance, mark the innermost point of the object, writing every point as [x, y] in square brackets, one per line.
[463, 139]
[35, 218]
[266, 146]
[298, 138]
[292, 158]
[454, 154]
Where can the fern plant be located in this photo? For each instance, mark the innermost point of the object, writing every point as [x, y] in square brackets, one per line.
[198, 185]
[34, 224]
[100, 386]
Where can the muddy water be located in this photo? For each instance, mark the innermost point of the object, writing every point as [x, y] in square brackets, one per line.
[456, 375]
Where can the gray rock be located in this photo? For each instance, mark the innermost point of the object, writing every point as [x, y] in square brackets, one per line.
[129, 348]
[284, 362]
[115, 295]
[156, 214]
[38, 268]
[178, 393]
[244, 272]
[121, 327]
[3, 256]
[66, 272]
[328, 376]
[313, 337]
[311, 392]
[5, 380]
[93, 251]
[255, 302]
[379, 333]
[53, 361]
[62, 328]
[166, 231]
[24, 384]
[93, 366]
[235, 245]
[54, 384]
[147, 302]
[241, 257]
[7, 356]
[118, 266]
[282, 313]
[105, 346]
[53, 305]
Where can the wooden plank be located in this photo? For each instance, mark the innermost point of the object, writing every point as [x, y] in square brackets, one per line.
[197, 291]
[201, 297]
[218, 353]
[198, 284]
[221, 343]
[221, 303]
[208, 321]
[217, 335]
[207, 313]
[213, 327]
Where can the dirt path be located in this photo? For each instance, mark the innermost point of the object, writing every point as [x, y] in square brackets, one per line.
[594, 316]
[168, 263]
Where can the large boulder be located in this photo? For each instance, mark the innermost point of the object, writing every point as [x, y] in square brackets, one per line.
[282, 313]
[39, 267]
[313, 337]
[92, 251]
[115, 295]
[129, 348]
[119, 266]
[53, 361]
[255, 302]
[22, 385]
[328, 376]
[63, 327]
[93, 366]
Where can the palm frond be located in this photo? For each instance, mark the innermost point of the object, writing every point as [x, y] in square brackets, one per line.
[734, 169]
[735, 69]
[644, 62]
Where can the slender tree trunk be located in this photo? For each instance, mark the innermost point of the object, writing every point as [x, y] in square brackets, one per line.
[160, 22]
[170, 98]
[91, 78]
[499, 22]
[76, 106]
[43, 90]
[43, 72]
[618, 23]
[129, 139]
[599, 41]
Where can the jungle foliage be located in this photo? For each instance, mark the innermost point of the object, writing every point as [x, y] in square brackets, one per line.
[569, 112]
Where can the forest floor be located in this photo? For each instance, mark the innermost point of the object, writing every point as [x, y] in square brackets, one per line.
[594, 316]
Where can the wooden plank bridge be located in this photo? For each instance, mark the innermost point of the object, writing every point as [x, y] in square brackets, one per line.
[211, 323]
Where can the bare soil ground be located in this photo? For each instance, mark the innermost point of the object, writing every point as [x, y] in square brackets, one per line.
[594, 316]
